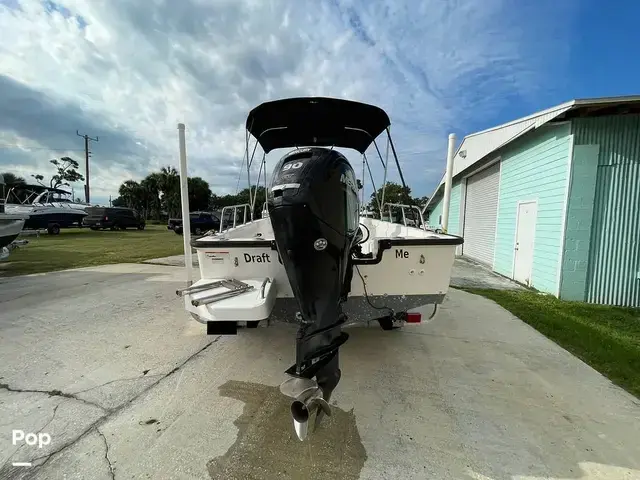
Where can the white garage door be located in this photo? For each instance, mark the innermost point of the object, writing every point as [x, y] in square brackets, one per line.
[480, 212]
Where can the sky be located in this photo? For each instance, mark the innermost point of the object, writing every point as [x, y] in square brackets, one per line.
[128, 71]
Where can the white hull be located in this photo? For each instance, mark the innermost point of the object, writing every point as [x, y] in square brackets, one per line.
[33, 209]
[42, 216]
[10, 227]
[410, 268]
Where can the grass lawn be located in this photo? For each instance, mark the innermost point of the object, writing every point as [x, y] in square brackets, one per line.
[607, 338]
[76, 247]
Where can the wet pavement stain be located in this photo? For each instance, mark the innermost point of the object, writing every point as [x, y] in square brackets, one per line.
[268, 448]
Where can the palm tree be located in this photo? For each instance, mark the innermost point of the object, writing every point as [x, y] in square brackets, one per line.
[12, 178]
[170, 188]
[8, 180]
[130, 191]
[151, 186]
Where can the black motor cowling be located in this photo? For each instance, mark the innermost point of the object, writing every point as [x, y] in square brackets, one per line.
[314, 210]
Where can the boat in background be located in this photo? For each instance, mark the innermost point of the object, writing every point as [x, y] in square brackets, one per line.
[11, 226]
[46, 208]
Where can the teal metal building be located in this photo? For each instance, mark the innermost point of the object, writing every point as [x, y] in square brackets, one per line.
[552, 200]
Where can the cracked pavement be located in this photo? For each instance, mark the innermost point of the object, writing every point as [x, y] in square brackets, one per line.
[73, 360]
[105, 360]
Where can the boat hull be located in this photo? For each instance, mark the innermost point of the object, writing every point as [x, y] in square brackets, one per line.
[359, 309]
[401, 273]
[43, 217]
[10, 228]
[400, 270]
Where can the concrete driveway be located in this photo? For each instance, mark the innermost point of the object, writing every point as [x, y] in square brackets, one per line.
[469, 274]
[105, 361]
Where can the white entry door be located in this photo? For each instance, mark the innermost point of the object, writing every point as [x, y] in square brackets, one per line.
[525, 236]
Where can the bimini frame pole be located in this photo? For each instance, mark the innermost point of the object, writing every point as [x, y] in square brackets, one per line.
[363, 175]
[248, 165]
[411, 202]
[373, 184]
[184, 200]
[386, 168]
[263, 164]
[447, 182]
[395, 156]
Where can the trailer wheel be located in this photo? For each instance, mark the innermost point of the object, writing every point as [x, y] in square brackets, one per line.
[53, 229]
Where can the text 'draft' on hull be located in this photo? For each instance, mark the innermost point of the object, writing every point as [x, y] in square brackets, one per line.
[314, 259]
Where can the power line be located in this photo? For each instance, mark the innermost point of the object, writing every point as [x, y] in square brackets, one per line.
[87, 154]
[16, 145]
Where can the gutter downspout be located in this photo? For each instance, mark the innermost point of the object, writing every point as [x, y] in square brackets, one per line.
[447, 182]
[184, 200]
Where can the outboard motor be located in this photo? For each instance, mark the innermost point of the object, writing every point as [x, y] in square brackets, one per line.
[314, 210]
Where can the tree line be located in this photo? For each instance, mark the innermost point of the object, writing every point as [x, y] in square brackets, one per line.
[394, 193]
[157, 196]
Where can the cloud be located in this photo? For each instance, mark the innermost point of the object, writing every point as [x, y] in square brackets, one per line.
[129, 71]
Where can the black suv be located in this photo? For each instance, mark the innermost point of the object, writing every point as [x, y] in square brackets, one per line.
[114, 218]
[199, 222]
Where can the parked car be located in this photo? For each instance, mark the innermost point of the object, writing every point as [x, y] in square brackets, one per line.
[200, 223]
[114, 218]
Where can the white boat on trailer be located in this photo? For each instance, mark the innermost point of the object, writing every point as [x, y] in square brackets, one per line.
[45, 207]
[314, 259]
[11, 226]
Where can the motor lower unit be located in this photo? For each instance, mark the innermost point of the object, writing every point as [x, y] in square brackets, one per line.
[314, 210]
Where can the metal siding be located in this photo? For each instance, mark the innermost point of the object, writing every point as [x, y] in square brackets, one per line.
[454, 209]
[534, 168]
[614, 256]
[578, 224]
[481, 205]
[434, 215]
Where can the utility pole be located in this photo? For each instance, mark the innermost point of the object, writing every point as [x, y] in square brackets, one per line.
[87, 154]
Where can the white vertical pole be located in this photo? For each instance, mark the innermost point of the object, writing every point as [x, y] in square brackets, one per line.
[447, 182]
[184, 197]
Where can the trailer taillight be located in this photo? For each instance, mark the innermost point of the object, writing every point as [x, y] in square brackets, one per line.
[414, 317]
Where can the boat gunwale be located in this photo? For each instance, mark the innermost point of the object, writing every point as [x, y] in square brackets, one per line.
[383, 243]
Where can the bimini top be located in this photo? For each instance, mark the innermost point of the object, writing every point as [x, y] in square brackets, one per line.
[316, 121]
